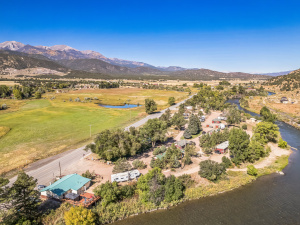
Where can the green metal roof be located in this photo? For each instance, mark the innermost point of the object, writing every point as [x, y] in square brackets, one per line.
[161, 156]
[71, 181]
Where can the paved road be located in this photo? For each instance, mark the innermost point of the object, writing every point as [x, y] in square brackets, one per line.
[46, 170]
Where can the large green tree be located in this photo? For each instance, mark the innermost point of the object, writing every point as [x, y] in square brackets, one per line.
[171, 101]
[211, 170]
[154, 130]
[150, 106]
[265, 132]
[238, 145]
[178, 120]
[194, 124]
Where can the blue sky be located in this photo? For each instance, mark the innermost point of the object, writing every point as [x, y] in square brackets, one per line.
[247, 36]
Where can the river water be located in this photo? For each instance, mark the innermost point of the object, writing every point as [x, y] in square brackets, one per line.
[271, 199]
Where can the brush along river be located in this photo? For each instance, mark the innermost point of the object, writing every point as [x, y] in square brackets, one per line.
[271, 199]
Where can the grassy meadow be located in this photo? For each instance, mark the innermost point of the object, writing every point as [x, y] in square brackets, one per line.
[34, 129]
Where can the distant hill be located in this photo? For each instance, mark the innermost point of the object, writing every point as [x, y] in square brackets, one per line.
[288, 82]
[275, 74]
[206, 74]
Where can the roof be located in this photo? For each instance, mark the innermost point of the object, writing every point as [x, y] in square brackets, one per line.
[216, 119]
[71, 181]
[160, 156]
[223, 145]
[72, 196]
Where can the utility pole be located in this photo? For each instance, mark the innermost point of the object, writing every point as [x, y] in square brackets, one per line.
[59, 169]
[90, 130]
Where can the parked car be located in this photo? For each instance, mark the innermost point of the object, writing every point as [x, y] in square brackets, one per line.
[40, 187]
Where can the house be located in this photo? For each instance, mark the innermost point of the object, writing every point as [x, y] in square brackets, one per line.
[126, 176]
[221, 148]
[72, 183]
[182, 143]
[284, 100]
[216, 120]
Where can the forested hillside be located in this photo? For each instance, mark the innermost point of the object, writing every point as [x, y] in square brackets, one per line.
[288, 82]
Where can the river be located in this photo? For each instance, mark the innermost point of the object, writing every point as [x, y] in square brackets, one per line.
[271, 199]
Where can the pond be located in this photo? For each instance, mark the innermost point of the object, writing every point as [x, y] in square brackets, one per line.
[271, 93]
[126, 106]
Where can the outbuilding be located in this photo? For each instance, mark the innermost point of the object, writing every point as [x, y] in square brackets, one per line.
[221, 148]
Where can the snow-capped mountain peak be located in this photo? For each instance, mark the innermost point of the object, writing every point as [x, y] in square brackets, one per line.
[11, 45]
[62, 48]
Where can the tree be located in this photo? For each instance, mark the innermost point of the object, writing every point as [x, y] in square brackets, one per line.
[3, 189]
[282, 143]
[155, 130]
[255, 151]
[166, 117]
[88, 174]
[17, 94]
[234, 115]
[211, 170]
[187, 134]
[187, 159]
[194, 125]
[121, 165]
[150, 105]
[138, 164]
[24, 199]
[151, 186]
[251, 170]
[265, 132]
[109, 192]
[238, 145]
[79, 215]
[244, 126]
[171, 101]
[178, 121]
[226, 162]
[173, 189]
[267, 115]
[38, 95]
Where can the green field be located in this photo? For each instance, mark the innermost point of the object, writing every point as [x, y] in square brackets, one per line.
[40, 128]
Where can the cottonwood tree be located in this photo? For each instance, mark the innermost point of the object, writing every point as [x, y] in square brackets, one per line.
[234, 115]
[150, 105]
[265, 132]
[238, 145]
[211, 170]
[171, 101]
[178, 120]
[121, 165]
[155, 130]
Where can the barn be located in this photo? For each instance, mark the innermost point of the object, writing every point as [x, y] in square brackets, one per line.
[221, 148]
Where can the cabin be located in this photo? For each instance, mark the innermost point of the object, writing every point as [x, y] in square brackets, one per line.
[125, 176]
[72, 183]
[221, 148]
[284, 100]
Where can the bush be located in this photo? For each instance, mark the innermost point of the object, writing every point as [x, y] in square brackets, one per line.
[88, 174]
[282, 143]
[226, 162]
[244, 126]
[159, 150]
[4, 106]
[121, 165]
[211, 170]
[138, 164]
[251, 170]
[79, 215]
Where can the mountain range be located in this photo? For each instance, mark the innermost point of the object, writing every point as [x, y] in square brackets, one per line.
[19, 59]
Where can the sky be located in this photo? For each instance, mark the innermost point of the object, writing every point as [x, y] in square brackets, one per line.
[247, 36]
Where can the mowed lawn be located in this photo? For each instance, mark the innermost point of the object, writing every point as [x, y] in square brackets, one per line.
[40, 128]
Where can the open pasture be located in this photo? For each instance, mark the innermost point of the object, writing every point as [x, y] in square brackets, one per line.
[45, 127]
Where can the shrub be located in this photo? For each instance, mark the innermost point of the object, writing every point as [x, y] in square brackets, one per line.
[159, 150]
[282, 143]
[244, 126]
[138, 164]
[226, 162]
[88, 174]
[121, 165]
[251, 170]
[79, 215]
[211, 170]
[4, 106]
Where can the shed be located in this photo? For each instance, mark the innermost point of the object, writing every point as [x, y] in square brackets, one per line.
[221, 148]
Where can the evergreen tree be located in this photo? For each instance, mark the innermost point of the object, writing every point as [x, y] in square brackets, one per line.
[187, 134]
[150, 106]
[194, 125]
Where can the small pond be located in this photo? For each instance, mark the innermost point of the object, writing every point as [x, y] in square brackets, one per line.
[271, 93]
[126, 106]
